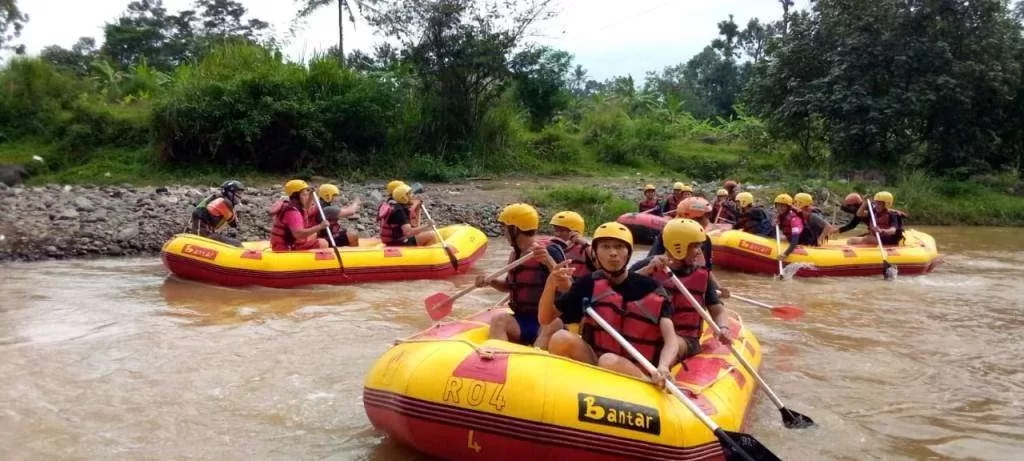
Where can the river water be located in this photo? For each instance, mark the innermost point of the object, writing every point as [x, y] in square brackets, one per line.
[113, 359]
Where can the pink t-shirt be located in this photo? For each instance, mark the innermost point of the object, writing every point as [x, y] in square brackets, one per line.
[796, 225]
[294, 220]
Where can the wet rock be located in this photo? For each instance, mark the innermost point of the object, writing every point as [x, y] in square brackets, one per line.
[68, 213]
[161, 190]
[128, 233]
[83, 204]
[12, 175]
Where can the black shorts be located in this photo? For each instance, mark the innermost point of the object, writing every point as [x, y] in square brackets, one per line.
[341, 238]
[692, 347]
[409, 242]
[893, 240]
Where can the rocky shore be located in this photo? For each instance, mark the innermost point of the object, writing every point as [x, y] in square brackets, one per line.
[54, 222]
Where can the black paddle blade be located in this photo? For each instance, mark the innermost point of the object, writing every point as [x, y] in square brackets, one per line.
[888, 270]
[738, 446]
[794, 420]
[451, 258]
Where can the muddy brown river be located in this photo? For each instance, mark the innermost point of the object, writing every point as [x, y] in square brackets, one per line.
[115, 360]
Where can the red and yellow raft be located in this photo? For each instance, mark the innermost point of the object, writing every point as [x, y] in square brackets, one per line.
[453, 394]
[193, 257]
[644, 226]
[744, 252]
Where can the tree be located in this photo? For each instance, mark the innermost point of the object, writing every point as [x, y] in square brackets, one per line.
[344, 9]
[12, 21]
[540, 76]
[77, 60]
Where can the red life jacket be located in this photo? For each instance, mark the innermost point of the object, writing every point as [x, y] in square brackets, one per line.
[390, 234]
[578, 255]
[648, 204]
[891, 218]
[672, 203]
[686, 319]
[526, 282]
[281, 237]
[637, 321]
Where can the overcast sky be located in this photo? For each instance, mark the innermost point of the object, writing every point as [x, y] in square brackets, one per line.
[607, 37]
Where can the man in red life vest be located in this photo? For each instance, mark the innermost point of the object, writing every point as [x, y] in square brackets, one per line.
[523, 283]
[683, 240]
[635, 305]
[568, 226]
[289, 231]
[680, 192]
[889, 221]
[395, 222]
[650, 201]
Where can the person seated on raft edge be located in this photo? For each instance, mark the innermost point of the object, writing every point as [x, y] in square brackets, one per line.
[718, 211]
[568, 227]
[525, 282]
[790, 223]
[697, 209]
[752, 219]
[851, 204]
[889, 222]
[634, 304]
[684, 238]
[396, 228]
[650, 202]
[289, 231]
[211, 214]
[816, 228]
[342, 236]
[680, 192]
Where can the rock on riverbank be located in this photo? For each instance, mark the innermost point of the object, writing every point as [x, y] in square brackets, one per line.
[74, 221]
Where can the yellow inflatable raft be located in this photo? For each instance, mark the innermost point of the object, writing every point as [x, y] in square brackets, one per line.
[453, 394]
[741, 251]
[197, 258]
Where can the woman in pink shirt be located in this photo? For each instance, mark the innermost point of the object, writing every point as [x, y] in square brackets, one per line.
[290, 231]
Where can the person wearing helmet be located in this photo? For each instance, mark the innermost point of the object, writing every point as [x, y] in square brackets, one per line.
[216, 211]
[650, 201]
[396, 227]
[816, 228]
[852, 204]
[680, 192]
[698, 210]
[684, 239]
[525, 282]
[290, 230]
[342, 236]
[752, 218]
[732, 188]
[888, 221]
[635, 305]
[789, 221]
[724, 208]
[568, 226]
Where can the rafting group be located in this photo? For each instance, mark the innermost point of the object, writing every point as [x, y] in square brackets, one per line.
[576, 359]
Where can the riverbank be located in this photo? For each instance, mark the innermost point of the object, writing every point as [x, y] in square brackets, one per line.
[65, 221]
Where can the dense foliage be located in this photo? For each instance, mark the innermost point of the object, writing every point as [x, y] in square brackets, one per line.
[894, 85]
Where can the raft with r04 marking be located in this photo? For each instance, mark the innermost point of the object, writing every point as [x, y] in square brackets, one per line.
[453, 394]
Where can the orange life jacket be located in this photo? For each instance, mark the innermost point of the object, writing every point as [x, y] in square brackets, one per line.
[685, 318]
[637, 321]
[281, 237]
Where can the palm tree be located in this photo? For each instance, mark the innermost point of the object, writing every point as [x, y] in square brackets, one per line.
[310, 6]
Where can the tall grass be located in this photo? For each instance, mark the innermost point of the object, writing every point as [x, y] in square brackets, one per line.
[597, 206]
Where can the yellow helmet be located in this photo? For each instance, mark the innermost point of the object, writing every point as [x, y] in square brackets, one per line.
[649, 187]
[784, 199]
[745, 199]
[613, 230]
[327, 192]
[293, 186]
[802, 200]
[678, 234]
[682, 187]
[520, 215]
[401, 193]
[721, 193]
[569, 219]
[393, 184]
[886, 198]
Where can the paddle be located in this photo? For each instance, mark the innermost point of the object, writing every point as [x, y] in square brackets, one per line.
[330, 236]
[888, 270]
[439, 305]
[778, 247]
[451, 255]
[790, 418]
[785, 312]
[735, 445]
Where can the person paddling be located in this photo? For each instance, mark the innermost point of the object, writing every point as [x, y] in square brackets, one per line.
[569, 227]
[852, 204]
[396, 227]
[680, 192]
[889, 222]
[753, 218]
[216, 211]
[635, 305]
[342, 236]
[525, 282]
[290, 230]
[791, 225]
[684, 239]
[816, 228]
[650, 201]
[699, 210]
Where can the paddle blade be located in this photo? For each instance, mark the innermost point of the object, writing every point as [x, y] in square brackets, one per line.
[451, 257]
[794, 420]
[743, 447]
[438, 305]
[787, 312]
[889, 271]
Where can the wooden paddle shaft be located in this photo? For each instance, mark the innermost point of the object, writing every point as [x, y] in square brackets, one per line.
[778, 245]
[878, 236]
[751, 301]
[491, 276]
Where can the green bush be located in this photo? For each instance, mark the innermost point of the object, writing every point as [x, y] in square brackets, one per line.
[609, 132]
[597, 206]
[92, 122]
[32, 95]
[554, 144]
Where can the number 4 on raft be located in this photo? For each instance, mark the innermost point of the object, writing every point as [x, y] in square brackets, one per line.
[472, 443]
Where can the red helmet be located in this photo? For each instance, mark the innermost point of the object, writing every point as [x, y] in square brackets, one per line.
[693, 208]
[730, 185]
[853, 199]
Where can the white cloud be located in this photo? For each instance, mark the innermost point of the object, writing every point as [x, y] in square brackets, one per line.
[607, 37]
